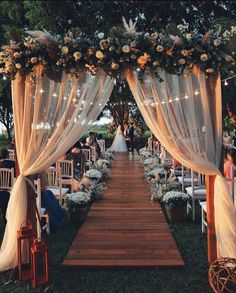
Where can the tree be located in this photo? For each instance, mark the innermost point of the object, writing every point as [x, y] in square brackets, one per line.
[6, 115]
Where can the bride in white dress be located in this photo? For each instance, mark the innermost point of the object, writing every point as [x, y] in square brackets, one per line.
[119, 143]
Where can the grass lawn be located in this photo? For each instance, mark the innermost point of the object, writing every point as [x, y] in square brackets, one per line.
[191, 279]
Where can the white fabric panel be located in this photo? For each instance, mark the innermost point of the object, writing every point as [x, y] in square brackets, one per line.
[55, 116]
[185, 114]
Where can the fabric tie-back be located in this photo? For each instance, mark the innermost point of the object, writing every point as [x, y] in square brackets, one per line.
[185, 114]
[55, 116]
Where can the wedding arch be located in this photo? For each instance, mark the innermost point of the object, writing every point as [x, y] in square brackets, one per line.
[60, 85]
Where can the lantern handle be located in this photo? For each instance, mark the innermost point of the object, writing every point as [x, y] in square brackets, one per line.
[28, 223]
[39, 240]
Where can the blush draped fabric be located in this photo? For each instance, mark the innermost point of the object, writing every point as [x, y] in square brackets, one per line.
[55, 116]
[184, 113]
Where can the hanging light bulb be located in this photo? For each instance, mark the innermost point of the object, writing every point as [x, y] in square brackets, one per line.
[170, 101]
[41, 91]
[186, 97]
[177, 99]
[4, 77]
[226, 82]
[54, 95]
[196, 92]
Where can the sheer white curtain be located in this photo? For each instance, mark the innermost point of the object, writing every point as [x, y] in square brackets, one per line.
[184, 113]
[55, 116]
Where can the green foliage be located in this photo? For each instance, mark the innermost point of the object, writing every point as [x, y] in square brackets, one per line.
[6, 112]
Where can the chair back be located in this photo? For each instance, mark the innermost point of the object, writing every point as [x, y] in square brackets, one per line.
[11, 155]
[87, 155]
[6, 178]
[156, 146]
[37, 185]
[102, 144]
[66, 168]
[93, 153]
[53, 177]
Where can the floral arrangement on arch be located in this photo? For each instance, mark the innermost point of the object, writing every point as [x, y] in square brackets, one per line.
[117, 50]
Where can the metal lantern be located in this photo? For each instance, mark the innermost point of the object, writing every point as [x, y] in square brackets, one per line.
[39, 260]
[25, 238]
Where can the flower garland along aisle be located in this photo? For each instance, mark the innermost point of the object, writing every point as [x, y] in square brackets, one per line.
[91, 188]
[165, 187]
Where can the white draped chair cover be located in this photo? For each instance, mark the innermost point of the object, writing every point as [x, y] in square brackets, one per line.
[55, 116]
[185, 114]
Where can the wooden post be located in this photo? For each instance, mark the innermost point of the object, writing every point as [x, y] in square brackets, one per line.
[211, 233]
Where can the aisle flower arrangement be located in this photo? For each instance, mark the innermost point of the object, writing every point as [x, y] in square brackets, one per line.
[158, 175]
[93, 174]
[107, 155]
[175, 199]
[78, 200]
[102, 166]
[159, 188]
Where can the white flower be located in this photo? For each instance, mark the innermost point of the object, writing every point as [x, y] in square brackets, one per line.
[65, 50]
[159, 48]
[182, 61]
[77, 55]
[101, 36]
[99, 55]
[18, 65]
[209, 70]
[155, 63]
[185, 52]
[226, 34]
[92, 173]
[126, 49]
[217, 42]
[188, 36]
[80, 197]
[233, 29]
[17, 55]
[114, 66]
[204, 57]
[181, 27]
[34, 60]
[175, 194]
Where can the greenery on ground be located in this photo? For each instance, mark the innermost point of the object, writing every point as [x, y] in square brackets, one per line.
[190, 279]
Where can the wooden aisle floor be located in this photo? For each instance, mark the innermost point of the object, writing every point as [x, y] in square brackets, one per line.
[125, 229]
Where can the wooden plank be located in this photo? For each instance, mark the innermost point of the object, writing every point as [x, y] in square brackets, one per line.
[125, 229]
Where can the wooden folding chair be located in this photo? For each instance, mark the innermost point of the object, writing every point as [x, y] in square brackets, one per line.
[196, 192]
[67, 172]
[102, 144]
[42, 211]
[6, 178]
[54, 183]
[87, 154]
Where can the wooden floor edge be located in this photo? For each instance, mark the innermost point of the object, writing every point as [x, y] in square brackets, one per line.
[68, 263]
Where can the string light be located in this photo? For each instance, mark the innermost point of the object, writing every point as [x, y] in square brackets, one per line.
[186, 97]
[196, 92]
[226, 82]
[4, 77]
[54, 95]
[41, 91]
